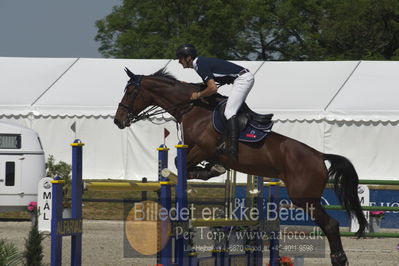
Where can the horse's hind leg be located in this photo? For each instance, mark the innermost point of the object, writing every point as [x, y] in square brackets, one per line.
[330, 227]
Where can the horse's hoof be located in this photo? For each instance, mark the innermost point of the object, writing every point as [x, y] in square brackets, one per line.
[218, 169]
[339, 259]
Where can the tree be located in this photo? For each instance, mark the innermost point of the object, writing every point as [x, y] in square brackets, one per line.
[281, 29]
[63, 170]
[154, 29]
[33, 253]
[253, 29]
[324, 29]
[360, 29]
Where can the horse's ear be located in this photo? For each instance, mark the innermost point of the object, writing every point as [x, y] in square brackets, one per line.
[129, 73]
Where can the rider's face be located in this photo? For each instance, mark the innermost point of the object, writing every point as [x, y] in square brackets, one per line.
[186, 62]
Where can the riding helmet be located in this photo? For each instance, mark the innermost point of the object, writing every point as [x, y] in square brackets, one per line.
[185, 50]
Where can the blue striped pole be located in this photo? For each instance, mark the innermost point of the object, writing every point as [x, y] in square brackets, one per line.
[181, 202]
[259, 205]
[274, 242]
[192, 259]
[69, 226]
[77, 191]
[165, 254]
[56, 216]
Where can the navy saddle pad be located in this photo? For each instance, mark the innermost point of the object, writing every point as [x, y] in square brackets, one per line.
[253, 127]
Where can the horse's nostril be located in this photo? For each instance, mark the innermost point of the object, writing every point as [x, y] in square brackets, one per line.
[118, 123]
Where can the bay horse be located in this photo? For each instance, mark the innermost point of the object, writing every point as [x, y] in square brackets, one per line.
[300, 167]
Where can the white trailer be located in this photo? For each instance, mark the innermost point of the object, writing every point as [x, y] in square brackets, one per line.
[22, 165]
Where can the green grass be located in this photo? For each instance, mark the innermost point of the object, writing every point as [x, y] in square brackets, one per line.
[115, 210]
[15, 215]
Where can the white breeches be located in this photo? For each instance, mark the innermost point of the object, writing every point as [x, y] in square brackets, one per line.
[241, 87]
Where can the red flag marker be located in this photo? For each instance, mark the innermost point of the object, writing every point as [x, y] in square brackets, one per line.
[165, 135]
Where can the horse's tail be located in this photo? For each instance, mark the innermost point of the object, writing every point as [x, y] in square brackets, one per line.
[346, 181]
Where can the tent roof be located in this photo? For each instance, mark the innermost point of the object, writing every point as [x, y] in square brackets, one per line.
[371, 91]
[336, 90]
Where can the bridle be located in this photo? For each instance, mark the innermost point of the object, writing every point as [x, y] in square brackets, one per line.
[128, 107]
[150, 111]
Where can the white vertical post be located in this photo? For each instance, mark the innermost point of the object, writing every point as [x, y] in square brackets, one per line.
[44, 204]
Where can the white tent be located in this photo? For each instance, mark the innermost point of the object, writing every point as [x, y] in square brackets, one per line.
[349, 108]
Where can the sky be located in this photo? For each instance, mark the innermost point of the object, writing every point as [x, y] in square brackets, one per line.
[51, 28]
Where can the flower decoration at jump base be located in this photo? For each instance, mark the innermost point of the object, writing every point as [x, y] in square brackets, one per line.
[378, 214]
[285, 261]
[32, 207]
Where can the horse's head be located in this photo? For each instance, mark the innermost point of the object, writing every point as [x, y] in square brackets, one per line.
[133, 102]
[155, 94]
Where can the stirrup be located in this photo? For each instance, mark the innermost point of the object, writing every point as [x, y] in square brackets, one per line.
[221, 147]
[227, 152]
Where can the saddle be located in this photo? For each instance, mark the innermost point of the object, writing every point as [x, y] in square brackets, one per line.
[253, 127]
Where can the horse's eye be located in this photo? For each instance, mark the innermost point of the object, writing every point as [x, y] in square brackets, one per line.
[129, 91]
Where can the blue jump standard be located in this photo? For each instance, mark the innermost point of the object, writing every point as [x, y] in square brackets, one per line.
[274, 242]
[165, 255]
[69, 226]
[176, 254]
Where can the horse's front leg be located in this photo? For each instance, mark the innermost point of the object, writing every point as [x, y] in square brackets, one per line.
[195, 156]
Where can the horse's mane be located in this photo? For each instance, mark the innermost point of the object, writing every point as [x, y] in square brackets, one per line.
[212, 100]
[163, 73]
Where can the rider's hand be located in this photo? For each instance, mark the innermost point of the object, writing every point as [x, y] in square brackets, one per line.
[195, 96]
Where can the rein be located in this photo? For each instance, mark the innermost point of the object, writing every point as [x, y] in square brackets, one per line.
[156, 110]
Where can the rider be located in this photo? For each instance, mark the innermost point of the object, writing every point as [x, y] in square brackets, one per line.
[214, 70]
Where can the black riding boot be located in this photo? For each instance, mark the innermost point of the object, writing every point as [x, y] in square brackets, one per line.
[229, 142]
[232, 126]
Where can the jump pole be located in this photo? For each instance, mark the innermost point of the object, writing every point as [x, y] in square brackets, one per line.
[69, 226]
[181, 254]
[56, 215]
[258, 253]
[165, 255]
[274, 241]
[77, 191]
